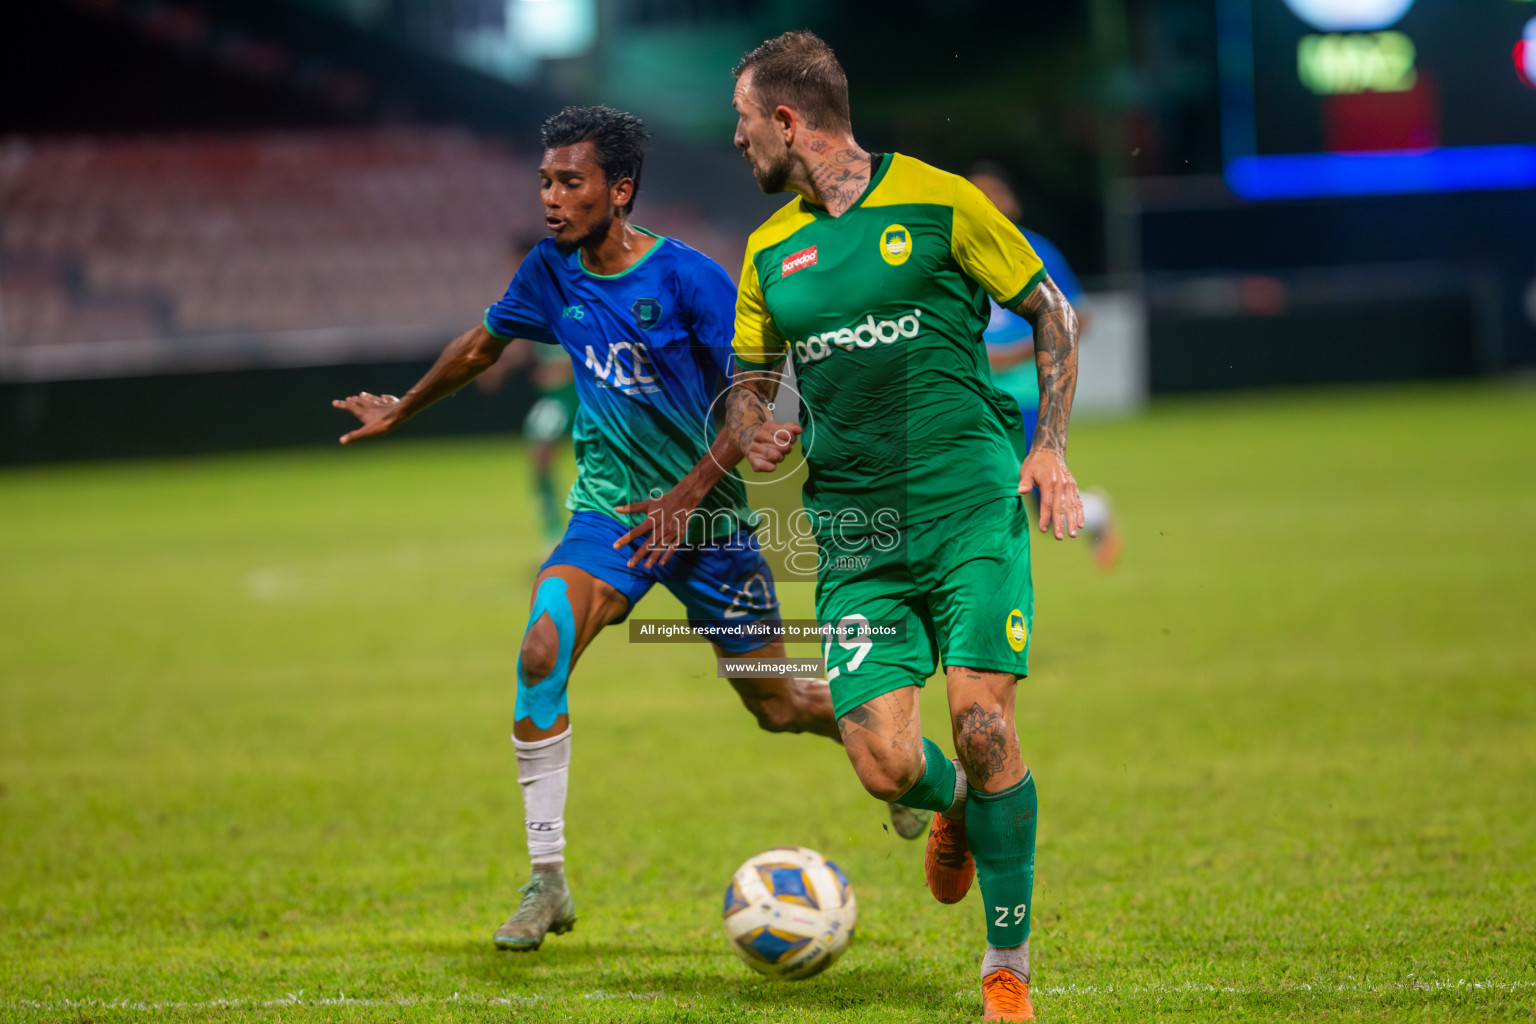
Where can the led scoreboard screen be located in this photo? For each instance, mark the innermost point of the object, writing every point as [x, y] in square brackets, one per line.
[1364, 97]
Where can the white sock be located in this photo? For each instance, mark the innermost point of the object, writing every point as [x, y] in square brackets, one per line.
[1095, 512]
[1015, 959]
[956, 810]
[543, 770]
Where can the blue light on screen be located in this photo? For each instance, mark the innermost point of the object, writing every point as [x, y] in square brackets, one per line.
[1497, 163]
[1458, 169]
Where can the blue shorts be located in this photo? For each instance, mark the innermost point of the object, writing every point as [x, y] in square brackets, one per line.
[1024, 436]
[722, 584]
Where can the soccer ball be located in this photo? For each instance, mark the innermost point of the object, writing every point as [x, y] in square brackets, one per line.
[789, 912]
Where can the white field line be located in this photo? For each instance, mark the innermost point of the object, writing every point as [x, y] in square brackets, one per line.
[298, 998]
[1195, 987]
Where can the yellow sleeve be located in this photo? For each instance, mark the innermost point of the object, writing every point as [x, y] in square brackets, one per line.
[758, 344]
[991, 249]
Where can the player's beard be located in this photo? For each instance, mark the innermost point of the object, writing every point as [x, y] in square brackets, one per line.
[566, 246]
[773, 177]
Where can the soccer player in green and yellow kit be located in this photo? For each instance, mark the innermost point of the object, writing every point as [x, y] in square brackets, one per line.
[874, 282]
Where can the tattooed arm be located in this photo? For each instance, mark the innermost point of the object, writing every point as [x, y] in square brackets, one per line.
[1055, 325]
[749, 419]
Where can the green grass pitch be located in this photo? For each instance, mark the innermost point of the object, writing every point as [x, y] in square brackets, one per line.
[254, 759]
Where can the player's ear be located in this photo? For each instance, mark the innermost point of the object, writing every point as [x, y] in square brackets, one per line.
[787, 122]
[621, 192]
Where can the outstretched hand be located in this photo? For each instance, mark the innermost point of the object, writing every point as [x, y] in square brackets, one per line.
[377, 412]
[770, 443]
[664, 527]
[1060, 502]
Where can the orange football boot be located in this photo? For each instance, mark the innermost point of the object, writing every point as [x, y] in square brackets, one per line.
[948, 863]
[1005, 997]
[1106, 548]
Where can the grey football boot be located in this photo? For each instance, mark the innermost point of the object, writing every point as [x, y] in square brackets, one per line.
[546, 907]
[909, 822]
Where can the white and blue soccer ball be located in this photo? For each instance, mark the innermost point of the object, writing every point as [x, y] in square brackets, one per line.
[789, 913]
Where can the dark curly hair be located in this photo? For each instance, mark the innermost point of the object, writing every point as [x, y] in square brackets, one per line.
[617, 137]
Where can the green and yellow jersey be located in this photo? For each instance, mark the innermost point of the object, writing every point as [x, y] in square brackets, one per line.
[882, 311]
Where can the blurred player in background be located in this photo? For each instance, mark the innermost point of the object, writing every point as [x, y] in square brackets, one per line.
[548, 423]
[547, 426]
[1011, 352]
[646, 323]
[875, 282]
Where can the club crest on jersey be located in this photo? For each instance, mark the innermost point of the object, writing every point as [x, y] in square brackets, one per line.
[798, 261]
[647, 312]
[895, 244]
[1018, 630]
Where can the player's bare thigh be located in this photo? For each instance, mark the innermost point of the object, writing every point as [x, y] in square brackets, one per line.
[981, 717]
[594, 604]
[884, 740]
[783, 704]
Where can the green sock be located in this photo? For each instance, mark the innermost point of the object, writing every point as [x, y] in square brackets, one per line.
[548, 508]
[936, 789]
[1000, 830]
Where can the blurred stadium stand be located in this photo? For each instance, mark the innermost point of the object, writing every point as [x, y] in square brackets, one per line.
[268, 202]
[133, 256]
[259, 205]
[1406, 287]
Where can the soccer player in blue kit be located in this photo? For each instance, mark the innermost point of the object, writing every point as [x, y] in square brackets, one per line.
[1011, 352]
[647, 322]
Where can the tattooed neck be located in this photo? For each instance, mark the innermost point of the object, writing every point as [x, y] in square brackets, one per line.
[839, 175]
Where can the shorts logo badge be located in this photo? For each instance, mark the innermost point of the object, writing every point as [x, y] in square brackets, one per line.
[1018, 631]
[647, 312]
[797, 261]
[895, 245]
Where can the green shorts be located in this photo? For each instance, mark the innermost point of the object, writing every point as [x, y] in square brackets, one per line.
[957, 586]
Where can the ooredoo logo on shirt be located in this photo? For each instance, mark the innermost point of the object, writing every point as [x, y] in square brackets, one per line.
[798, 261]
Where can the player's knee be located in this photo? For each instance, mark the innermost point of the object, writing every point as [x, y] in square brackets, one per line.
[540, 653]
[544, 660]
[985, 745]
[887, 772]
[887, 782]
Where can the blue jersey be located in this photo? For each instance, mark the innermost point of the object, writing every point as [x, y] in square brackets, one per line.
[1008, 328]
[651, 348]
